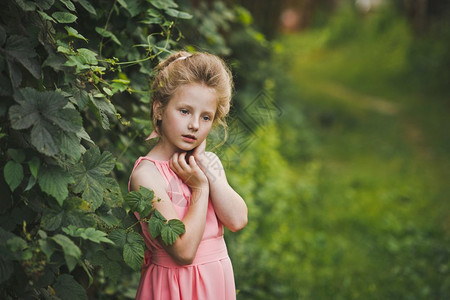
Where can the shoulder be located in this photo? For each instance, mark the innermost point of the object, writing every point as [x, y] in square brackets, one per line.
[146, 174]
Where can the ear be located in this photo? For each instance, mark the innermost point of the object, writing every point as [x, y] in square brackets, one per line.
[157, 110]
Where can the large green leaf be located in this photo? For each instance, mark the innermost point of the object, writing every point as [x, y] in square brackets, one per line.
[67, 288]
[64, 17]
[71, 251]
[51, 219]
[18, 46]
[111, 268]
[90, 176]
[140, 201]
[46, 113]
[13, 172]
[171, 230]
[70, 145]
[133, 250]
[119, 237]
[53, 180]
[90, 233]
[156, 223]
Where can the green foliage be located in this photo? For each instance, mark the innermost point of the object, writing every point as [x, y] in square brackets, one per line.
[64, 90]
[74, 85]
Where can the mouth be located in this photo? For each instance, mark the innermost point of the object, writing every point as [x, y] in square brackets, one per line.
[189, 137]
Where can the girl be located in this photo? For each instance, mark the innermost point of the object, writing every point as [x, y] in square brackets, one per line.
[190, 93]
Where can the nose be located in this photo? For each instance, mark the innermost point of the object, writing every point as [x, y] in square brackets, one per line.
[194, 124]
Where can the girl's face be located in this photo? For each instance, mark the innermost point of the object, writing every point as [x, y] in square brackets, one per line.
[188, 117]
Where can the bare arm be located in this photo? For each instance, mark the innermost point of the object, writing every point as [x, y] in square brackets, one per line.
[185, 247]
[229, 206]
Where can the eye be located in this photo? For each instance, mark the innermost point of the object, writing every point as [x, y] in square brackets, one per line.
[184, 111]
[206, 118]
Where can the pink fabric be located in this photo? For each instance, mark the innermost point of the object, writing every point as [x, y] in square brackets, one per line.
[210, 276]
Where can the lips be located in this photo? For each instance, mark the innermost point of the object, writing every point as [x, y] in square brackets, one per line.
[189, 137]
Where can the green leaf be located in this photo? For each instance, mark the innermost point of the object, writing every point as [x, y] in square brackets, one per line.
[71, 251]
[163, 4]
[31, 182]
[90, 175]
[16, 155]
[33, 66]
[134, 7]
[54, 181]
[102, 109]
[45, 4]
[46, 113]
[68, 4]
[13, 172]
[171, 231]
[67, 288]
[46, 17]
[47, 248]
[90, 233]
[70, 145]
[119, 237]
[111, 269]
[133, 250]
[51, 219]
[64, 17]
[16, 244]
[178, 14]
[26, 5]
[83, 60]
[34, 165]
[73, 32]
[156, 223]
[105, 33]
[88, 6]
[140, 201]
[18, 46]
[89, 56]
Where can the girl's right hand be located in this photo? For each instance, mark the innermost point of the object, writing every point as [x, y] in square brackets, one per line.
[190, 173]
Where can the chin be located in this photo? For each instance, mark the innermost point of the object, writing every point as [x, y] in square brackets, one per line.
[186, 148]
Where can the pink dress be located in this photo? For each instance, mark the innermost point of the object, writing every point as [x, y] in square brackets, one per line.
[210, 276]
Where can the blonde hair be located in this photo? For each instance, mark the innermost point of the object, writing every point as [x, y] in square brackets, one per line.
[183, 68]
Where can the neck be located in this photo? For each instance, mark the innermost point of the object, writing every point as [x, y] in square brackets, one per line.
[163, 151]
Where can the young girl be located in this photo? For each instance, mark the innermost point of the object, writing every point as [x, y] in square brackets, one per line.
[191, 93]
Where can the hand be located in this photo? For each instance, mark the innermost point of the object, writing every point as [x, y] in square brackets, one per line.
[189, 172]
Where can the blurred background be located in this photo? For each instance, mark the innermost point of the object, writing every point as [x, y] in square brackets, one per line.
[346, 171]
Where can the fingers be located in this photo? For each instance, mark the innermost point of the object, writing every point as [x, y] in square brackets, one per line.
[178, 163]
